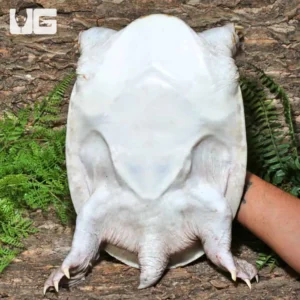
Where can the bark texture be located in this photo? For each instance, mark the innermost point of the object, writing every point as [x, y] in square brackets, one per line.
[111, 280]
[30, 65]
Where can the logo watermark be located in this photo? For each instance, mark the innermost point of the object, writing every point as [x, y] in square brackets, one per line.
[32, 23]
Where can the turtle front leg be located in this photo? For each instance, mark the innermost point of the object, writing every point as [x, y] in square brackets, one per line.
[226, 38]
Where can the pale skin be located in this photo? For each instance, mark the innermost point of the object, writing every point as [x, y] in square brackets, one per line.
[152, 169]
[263, 209]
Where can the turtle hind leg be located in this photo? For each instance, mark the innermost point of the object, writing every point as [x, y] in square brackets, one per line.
[214, 220]
[84, 251]
[85, 245]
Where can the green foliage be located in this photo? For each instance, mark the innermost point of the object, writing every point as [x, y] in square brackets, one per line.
[32, 162]
[32, 169]
[264, 260]
[272, 150]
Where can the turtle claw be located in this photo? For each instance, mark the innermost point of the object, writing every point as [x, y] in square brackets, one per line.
[45, 289]
[66, 272]
[248, 283]
[233, 275]
[238, 27]
[246, 271]
[56, 283]
[239, 30]
[53, 280]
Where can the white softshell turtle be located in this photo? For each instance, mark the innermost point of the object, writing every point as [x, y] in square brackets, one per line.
[156, 148]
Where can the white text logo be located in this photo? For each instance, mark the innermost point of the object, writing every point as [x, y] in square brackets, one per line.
[32, 24]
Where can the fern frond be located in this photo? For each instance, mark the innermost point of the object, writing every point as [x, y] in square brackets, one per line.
[32, 170]
[279, 93]
[271, 260]
[6, 257]
[267, 152]
[47, 111]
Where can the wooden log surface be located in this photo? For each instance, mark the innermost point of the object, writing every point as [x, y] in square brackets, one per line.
[111, 280]
[30, 65]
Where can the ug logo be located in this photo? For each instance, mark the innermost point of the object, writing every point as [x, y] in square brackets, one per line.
[32, 22]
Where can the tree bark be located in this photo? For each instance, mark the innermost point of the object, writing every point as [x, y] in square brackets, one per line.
[30, 65]
[112, 280]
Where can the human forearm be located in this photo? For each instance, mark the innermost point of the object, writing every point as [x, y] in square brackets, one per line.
[274, 216]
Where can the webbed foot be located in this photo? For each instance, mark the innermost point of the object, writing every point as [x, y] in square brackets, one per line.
[84, 251]
[245, 271]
